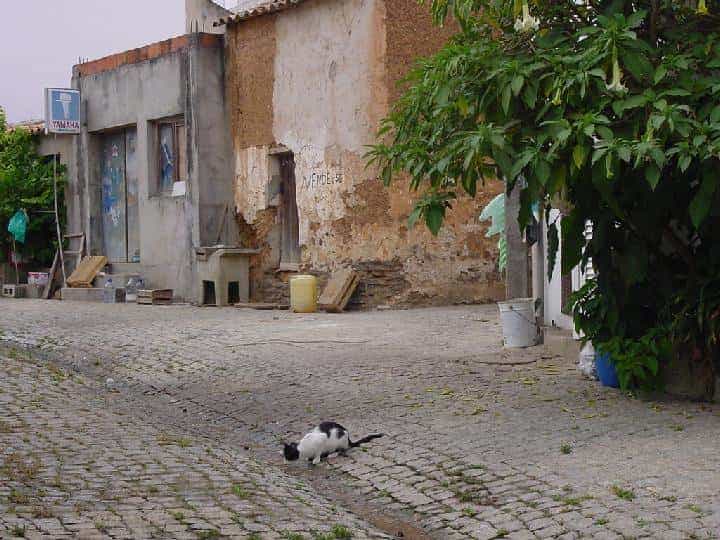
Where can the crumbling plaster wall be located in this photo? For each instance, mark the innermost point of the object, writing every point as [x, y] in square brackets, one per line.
[332, 68]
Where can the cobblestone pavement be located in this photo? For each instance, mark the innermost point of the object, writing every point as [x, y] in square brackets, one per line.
[481, 442]
[75, 463]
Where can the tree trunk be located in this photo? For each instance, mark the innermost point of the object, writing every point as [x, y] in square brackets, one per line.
[517, 282]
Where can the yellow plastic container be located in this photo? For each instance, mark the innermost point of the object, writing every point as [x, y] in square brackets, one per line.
[303, 294]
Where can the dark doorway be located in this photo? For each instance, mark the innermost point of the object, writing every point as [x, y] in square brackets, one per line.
[290, 223]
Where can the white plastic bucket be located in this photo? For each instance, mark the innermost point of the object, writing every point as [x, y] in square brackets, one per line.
[519, 324]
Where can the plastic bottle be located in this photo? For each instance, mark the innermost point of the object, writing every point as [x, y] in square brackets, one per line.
[131, 290]
[109, 292]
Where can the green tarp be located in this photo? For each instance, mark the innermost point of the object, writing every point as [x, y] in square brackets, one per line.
[18, 226]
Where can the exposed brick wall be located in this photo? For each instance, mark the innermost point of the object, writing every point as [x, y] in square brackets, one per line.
[154, 50]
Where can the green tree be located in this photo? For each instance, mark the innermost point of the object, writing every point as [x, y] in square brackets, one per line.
[610, 106]
[26, 181]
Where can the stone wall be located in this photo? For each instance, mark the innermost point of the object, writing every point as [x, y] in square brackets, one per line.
[317, 79]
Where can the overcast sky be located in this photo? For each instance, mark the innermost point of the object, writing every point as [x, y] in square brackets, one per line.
[41, 40]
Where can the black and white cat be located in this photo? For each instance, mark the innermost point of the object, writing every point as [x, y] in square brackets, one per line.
[327, 438]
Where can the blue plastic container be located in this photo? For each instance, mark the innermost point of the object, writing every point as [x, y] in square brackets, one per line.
[606, 370]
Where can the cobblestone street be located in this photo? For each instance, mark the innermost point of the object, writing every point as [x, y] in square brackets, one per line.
[184, 441]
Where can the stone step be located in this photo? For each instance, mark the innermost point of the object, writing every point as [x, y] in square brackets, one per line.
[81, 295]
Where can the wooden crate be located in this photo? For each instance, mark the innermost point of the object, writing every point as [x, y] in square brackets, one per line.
[155, 297]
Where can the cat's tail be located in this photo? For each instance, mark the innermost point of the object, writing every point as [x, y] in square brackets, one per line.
[366, 440]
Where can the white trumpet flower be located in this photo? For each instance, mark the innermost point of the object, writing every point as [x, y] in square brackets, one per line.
[526, 23]
[616, 85]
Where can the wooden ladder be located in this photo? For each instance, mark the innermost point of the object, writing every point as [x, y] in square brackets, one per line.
[76, 253]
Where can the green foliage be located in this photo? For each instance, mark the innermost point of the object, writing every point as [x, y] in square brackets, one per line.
[26, 181]
[637, 361]
[610, 106]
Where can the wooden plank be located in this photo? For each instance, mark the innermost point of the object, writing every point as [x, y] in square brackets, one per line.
[337, 289]
[346, 296]
[86, 271]
[261, 306]
[53, 270]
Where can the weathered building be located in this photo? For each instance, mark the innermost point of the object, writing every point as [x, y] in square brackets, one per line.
[153, 162]
[307, 84]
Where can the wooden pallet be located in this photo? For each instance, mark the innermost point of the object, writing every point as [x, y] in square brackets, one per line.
[86, 271]
[155, 297]
[338, 291]
[261, 306]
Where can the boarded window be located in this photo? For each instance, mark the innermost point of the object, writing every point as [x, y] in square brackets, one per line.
[172, 154]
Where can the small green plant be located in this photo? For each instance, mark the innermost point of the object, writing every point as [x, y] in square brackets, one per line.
[469, 512]
[178, 516]
[622, 493]
[100, 526]
[466, 496]
[289, 535]
[565, 448]
[341, 532]
[254, 536]
[572, 501]
[18, 531]
[677, 427]
[208, 534]
[669, 498]
[502, 533]
[694, 508]
[240, 492]
[601, 521]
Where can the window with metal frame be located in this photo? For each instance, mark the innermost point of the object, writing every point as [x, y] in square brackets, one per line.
[172, 157]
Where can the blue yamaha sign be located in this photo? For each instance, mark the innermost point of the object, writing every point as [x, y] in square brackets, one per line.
[62, 110]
